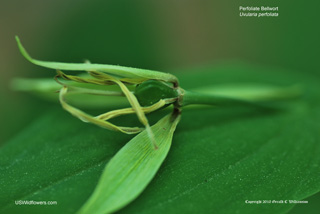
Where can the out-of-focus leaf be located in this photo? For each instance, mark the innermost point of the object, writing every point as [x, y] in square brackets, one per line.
[47, 88]
[252, 92]
[219, 157]
[131, 169]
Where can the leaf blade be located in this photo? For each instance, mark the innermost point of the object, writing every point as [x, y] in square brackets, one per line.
[131, 169]
[111, 69]
[229, 148]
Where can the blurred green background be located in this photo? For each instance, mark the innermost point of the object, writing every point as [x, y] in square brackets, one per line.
[161, 35]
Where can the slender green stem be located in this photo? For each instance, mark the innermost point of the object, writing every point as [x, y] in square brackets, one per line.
[190, 97]
[208, 99]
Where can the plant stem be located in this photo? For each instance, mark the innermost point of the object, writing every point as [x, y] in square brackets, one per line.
[190, 97]
[208, 99]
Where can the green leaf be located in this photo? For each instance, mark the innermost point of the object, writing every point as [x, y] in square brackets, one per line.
[131, 169]
[219, 157]
[55, 158]
[110, 69]
[312, 207]
[47, 88]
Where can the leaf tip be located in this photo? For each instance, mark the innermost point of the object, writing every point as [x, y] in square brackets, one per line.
[22, 49]
[17, 38]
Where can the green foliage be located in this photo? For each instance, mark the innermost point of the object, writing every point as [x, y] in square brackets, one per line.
[219, 157]
[109, 69]
[132, 168]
